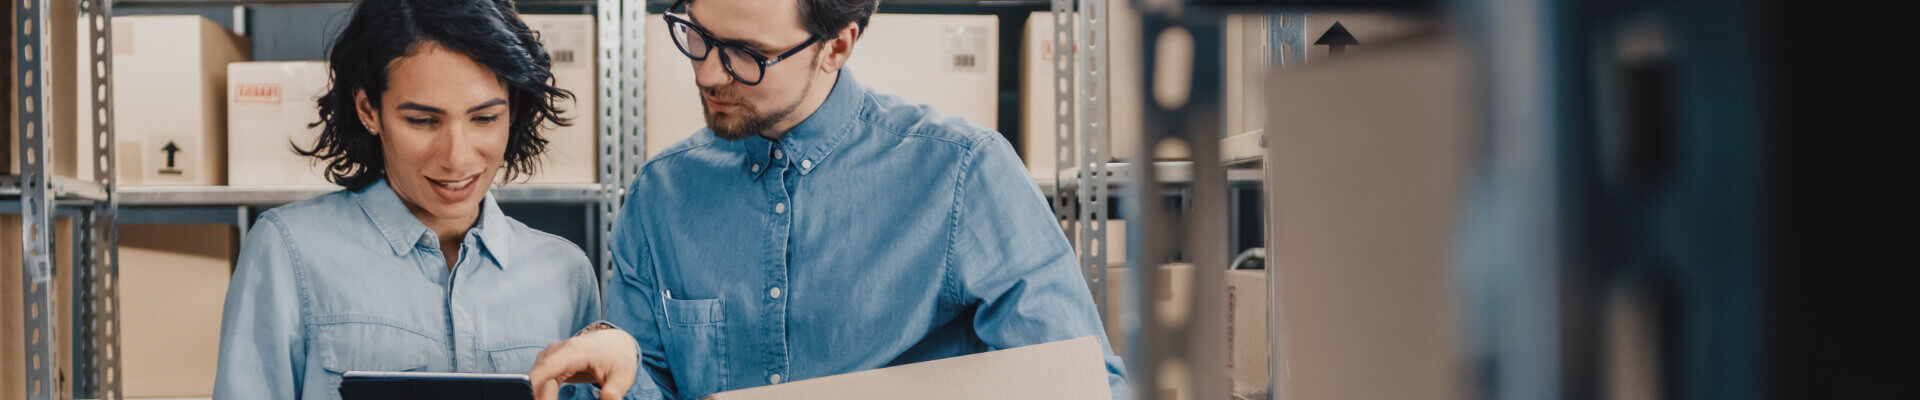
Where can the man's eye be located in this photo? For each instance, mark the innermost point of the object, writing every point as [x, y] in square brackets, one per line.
[420, 120]
[486, 119]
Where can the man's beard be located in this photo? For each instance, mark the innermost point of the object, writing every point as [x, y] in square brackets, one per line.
[751, 121]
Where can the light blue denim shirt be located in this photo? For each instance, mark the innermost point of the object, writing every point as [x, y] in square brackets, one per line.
[351, 281]
[875, 233]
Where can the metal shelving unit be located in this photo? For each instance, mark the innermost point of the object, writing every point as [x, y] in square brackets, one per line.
[38, 196]
[96, 205]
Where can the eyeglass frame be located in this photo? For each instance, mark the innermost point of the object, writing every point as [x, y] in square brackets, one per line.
[713, 44]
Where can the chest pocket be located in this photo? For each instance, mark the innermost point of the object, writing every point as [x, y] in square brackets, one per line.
[359, 346]
[694, 344]
[514, 360]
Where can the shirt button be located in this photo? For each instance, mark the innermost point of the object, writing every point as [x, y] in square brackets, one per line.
[776, 154]
[754, 168]
[426, 241]
[773, 380]
[808, 164]
[780, 208]
[775, 292]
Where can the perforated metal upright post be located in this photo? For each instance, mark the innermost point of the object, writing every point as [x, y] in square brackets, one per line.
[1195, 119]
[1064, 194]
[1091, 102]
[36, 202]
[98, 346]
[607, 18]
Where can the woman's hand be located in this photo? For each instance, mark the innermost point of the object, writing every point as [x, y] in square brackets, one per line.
[605, 357]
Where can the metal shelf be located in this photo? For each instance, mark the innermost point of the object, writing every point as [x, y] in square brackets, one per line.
[1172, 173]
[64, 188]
[273, 195]
[1246, 149]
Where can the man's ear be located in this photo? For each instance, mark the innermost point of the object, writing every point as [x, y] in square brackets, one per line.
[369, 116]
[839, 48]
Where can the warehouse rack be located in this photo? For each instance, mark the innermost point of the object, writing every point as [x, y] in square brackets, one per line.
[38, 196]
[96, 205]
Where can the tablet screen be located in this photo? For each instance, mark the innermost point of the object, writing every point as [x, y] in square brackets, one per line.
[365, 385]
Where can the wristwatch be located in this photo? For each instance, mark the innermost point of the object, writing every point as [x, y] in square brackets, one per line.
[596, 327]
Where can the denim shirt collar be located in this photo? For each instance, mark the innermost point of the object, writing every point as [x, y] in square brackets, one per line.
[809, 144]
[405, 233]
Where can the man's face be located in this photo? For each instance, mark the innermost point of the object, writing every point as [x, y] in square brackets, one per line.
[736, 110]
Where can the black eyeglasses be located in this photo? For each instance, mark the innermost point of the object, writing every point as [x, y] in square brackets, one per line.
[746, 66]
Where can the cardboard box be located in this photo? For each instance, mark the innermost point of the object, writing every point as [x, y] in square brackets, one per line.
[62, 82]
[1247, 349]
[1367, 175]
[1067, 369]
[1367, 29]
[1039, 80]
[949, 62]
[270, 105]
[173, 286]
[169, 99]
[13, 333]
[572, 151]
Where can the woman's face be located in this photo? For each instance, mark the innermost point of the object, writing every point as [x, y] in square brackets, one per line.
[443, 124]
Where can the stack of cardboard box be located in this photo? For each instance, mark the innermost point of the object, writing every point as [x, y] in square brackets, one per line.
[270, 106]
[949, 62]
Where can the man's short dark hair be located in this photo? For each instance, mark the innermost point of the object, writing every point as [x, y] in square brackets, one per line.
[488, 31]
[825, 18]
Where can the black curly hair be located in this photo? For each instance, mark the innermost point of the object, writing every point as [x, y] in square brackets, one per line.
[488, 31]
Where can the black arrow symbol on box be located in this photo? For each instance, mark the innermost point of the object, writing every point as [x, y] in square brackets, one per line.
[1337, 39]
[171, 149]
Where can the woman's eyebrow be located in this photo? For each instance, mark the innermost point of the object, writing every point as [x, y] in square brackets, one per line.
[490, 103]
[420, 107]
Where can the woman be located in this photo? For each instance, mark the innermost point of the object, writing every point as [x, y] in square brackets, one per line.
[412, 267]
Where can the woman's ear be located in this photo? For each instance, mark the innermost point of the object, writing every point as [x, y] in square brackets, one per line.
[839, 48]
[369, 116]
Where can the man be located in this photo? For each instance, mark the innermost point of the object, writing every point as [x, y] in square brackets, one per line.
[820, 229]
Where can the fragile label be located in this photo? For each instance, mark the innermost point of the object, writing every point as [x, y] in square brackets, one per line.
[257, 93]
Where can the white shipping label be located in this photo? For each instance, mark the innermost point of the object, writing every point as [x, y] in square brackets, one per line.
[566, 44]
[967, 48]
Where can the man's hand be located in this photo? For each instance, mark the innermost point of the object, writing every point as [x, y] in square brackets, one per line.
[607, 357]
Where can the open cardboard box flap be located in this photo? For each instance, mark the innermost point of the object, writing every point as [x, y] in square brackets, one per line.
[1067, 369]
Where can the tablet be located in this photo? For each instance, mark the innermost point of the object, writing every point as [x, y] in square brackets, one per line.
[367, 385]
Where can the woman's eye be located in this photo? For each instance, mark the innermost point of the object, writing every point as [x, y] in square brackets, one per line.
[486, 119]
[420, 120]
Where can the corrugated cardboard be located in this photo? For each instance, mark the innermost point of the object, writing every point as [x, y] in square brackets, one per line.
[270, 105]
[1366, 176]
[13, 332]
[1067, 369]
[572, 151]
[173, 284]
[1247, 347]
[949, 62]
[1370, 29]
[170, 88]
[1172, 297]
